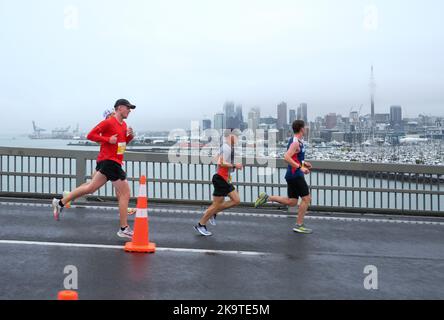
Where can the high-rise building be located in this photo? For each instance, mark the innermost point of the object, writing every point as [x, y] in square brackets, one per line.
[282, 115]
[302, 112]
[206, 124]
[229, 110]
[270, 121]
[396, 116]
[354, 117]
[253, 122]
[219, 121]
[239, 114]
[372, 98]
[253, 118]
[232, 123]
[236, 120]
[330, 120]
[257, 111]
[233, 117]
[292, 116]
[382, 117]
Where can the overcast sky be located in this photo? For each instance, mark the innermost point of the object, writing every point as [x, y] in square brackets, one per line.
[65, 62]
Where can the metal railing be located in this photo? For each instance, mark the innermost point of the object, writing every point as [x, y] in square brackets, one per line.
[335, 186]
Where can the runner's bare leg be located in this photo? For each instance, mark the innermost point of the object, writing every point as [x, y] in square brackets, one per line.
[95, 184]
[123, 190]
[219, 205]
[212, 210]
[291, 202]
[303, 207]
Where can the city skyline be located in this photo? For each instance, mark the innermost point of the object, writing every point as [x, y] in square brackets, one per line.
[252, 118]
[301, 112]
[271, 112]
[389, 127]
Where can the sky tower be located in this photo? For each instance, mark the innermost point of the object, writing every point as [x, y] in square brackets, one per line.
[372, 102]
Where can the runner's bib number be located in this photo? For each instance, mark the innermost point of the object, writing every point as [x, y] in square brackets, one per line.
[121, 147]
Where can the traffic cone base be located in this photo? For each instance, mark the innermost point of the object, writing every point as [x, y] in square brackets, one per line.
[149, 248]
[68, 295]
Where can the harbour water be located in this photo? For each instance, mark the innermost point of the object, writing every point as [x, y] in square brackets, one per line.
[204, 173]
[23, 141]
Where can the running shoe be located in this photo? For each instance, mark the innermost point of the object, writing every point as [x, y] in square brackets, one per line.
[125, 233]
[68, 204]
[263, 198]
[57, 209]
[130, 211]
[213, 220]
[202, 230]
[302, 229]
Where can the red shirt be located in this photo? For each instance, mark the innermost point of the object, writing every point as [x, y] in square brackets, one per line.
[225, 172]
[101, 134]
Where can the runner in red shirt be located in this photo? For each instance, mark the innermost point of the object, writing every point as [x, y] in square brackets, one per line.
[107, 114]
[113, 136]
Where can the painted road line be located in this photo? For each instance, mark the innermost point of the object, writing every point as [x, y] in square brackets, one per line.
[103, 246]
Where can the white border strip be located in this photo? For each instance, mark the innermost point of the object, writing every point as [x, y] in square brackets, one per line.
[244, 214]
[102, 246]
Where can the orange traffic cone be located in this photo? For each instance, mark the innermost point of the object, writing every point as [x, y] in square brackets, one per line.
[141, 241]
[67, 295]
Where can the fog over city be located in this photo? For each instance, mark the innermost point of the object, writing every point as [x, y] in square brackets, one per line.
[65, 62]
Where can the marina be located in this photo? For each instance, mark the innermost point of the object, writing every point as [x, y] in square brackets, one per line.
[429, 152]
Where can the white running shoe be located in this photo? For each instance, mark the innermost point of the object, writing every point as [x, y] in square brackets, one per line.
[68, 204]
[202, 230]
[302, 229]
[126, 233]
[213, 220]
[57, 209]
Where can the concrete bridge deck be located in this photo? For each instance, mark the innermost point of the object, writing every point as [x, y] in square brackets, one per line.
[253, 254]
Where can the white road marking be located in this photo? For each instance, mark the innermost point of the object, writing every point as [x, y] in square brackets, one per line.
[247, 253]
[103, 246]
[60, 244]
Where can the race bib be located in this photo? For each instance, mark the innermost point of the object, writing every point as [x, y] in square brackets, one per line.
[121, 147]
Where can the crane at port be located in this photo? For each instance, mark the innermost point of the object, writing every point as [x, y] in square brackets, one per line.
[37, 130]
[58, 133]
[359, 110]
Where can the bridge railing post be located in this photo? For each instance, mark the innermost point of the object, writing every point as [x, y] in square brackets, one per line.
[80, 173]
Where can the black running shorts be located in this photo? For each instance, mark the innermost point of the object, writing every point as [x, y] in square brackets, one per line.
[221, 187]
[297, 187]
[111, 169]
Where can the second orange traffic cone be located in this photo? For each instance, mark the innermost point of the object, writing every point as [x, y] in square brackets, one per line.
[141, 242]
[67, 295]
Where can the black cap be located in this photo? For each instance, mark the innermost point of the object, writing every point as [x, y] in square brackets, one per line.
[124, 102]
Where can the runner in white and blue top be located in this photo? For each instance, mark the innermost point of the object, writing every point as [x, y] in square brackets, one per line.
[222, 184]
[295, 176]
[299, 158]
